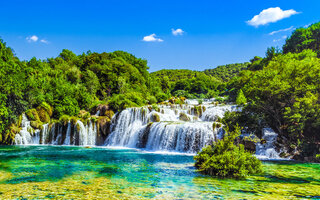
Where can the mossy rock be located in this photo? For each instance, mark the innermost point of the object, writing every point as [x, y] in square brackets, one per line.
[46, 107]
[83, 114]
[32, 115]
[94, 119]
[216, 125]
[73, 120]
[155, 117]
[43, 114]
[184, 117]
[64, 119]
[103, 124]
[36, 124]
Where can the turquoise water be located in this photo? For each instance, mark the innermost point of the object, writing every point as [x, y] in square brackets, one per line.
[29, 172]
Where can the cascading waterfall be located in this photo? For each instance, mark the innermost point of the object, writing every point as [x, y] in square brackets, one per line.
[173, 127]
[25, 135]
[267, 150]
[181, 128]
[56, 135]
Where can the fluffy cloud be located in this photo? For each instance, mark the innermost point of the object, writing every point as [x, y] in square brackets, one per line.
[281, 30]
[271, 15]
[178, 31]
[33, 38]
[152, 38]
[44, 41]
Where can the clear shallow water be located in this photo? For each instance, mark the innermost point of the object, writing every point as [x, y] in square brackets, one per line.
[62, 172]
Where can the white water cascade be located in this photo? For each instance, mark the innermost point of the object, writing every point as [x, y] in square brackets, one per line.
[267, 150]
[181, 128]
[27, 135]
[185, 128]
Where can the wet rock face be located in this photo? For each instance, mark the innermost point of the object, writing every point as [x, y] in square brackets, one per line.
[102, 108]
[249, 146]
[249, 142]
[103, 124]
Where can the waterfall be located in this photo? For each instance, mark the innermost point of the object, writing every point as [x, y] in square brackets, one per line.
[68, 135]
[25, 135]
[177, 128]
[267, 150]
[166, 127]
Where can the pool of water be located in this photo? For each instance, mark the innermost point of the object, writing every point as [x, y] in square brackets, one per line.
[64, 172]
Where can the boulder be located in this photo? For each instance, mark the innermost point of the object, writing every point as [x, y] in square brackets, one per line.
[184, 117]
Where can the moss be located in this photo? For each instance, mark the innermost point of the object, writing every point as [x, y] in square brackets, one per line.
[78, 127]
[36, 124]
[155, 107]
[43, 114]
[155, 117]
[84, 114]
[32, 115]
[108, 113]
[184, 117]
[94, 119]
[73, 120]
[47, 108]
[64, 119]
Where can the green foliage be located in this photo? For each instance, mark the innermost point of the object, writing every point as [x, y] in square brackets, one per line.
[304, 38]
[226, 72]
[225, 159]
[186, 83]
[241, 99]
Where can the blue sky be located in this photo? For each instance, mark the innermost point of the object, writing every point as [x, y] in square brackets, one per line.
[212, 32]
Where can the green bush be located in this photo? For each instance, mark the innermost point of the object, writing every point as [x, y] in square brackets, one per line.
[152, 100]
[161, 97]
[225, 159]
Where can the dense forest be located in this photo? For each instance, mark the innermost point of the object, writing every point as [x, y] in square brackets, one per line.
[280, 91]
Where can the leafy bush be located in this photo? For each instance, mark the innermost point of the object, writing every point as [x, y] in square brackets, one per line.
[161, 97]
[225, 159]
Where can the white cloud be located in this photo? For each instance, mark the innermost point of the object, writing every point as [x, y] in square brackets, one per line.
[306, 26]
[178, 31]
[44, 41]
[282, 38]
[281, 30]
[152, 38]
[33, 38]
[271, 15]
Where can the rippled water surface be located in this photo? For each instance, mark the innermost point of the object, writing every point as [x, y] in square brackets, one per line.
[63, 172]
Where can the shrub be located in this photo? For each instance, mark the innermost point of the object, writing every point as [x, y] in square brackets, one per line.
[152, 100]
[161, 97]
[225, 159]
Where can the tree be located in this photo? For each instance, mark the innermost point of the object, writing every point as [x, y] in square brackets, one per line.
[225, 159]
[241, 99]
